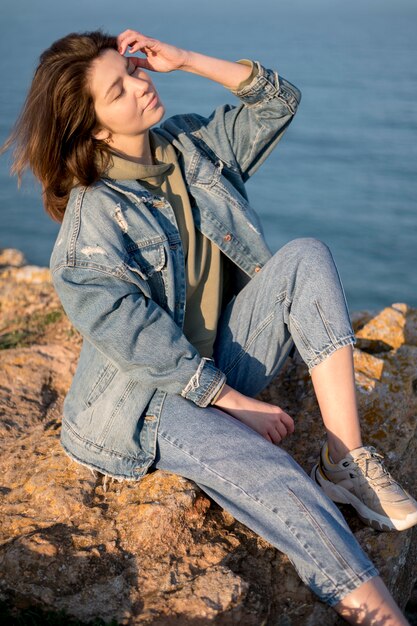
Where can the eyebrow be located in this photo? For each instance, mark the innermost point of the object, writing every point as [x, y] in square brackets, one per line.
[117, 79]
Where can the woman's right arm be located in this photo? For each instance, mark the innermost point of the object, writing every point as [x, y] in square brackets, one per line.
[267, 419]
[134, 332]
[143, 340]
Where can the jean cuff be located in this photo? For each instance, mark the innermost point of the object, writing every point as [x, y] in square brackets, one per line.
[344, 341]
[351, 585]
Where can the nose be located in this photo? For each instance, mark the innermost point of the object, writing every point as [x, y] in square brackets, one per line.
[139, 85]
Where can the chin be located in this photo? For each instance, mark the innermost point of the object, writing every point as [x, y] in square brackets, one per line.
[159, 111]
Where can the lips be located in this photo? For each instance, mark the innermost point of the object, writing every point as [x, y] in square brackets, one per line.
[152, 102]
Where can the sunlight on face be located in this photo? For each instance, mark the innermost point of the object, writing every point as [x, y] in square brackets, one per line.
[125, 100]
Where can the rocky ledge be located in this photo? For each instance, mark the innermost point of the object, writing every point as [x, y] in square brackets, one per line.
[160, 551]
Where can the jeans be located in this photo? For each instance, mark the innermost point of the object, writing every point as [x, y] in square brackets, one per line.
[296, 298]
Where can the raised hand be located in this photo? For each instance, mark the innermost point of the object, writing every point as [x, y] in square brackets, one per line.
[159, 56]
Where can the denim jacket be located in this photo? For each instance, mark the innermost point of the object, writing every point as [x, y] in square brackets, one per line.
[118, 268]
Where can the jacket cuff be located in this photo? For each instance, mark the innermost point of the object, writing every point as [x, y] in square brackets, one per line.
[214, 399]
[251, 76]
[267, 84]
[205, 384]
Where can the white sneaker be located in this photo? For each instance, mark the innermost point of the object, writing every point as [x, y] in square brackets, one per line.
[360, 479]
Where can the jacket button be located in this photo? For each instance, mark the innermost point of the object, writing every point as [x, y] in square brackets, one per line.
[227, 237]
[258, 269]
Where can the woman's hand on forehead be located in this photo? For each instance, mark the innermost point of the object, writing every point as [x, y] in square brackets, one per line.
[160, 57]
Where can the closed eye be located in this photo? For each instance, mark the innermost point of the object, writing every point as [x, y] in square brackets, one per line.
[130, 70]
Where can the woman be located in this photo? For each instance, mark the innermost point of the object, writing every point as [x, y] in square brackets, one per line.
[161, 264]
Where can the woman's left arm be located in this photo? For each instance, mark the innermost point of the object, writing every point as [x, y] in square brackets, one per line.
[162, 57]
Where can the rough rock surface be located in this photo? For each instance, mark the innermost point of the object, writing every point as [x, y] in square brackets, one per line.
[160, 551]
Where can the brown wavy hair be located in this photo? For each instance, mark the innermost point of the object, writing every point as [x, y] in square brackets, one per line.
[53, 133]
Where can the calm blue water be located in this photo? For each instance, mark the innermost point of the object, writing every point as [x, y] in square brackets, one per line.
[345, 172]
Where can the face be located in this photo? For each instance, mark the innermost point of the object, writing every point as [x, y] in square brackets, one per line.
[125, 100]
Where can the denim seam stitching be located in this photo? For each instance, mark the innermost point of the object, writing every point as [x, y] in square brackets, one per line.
[274, 511]
[76, 227]
[206, 395]
[322, 534]
[326, 323]
[301, 335]
[245, 166]
[93, 396]
[94, 468]
[128, 389]
[90, 266]
[267, 320]
[280, 297]
[93, 444]
[363, 577]
[343, 341]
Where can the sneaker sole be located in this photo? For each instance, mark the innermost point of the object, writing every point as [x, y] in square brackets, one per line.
[369, 517]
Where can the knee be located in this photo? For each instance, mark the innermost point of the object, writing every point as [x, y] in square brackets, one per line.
[309, 250]
[308, 245]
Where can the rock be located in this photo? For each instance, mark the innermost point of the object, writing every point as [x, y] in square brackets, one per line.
[10, 257]
[411, 608]
[160, 551]
[386, 381]
[28, 274]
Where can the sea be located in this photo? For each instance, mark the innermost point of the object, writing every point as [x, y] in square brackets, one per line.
[345, 171]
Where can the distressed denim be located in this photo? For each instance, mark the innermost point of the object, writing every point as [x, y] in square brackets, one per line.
[118, 266]
[296, 299]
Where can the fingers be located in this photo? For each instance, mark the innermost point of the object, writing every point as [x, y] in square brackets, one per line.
[288, 421]
[283, 426]
[140, 62]
[135, 41]
[280, 433]
[129, 38]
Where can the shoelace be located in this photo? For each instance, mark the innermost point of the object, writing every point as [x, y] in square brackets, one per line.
[371, 464]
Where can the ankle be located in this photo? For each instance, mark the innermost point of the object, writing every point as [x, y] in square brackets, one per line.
[338, 450]
[371, 604]
[335, 456]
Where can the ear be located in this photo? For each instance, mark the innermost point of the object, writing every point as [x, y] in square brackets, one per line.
[101, 134]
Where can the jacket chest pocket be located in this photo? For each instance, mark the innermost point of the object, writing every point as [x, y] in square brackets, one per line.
[149, 260]
[205, 173]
